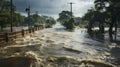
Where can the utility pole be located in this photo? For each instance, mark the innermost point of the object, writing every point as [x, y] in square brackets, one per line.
[11, 15]
[71, 3]
[28, 11]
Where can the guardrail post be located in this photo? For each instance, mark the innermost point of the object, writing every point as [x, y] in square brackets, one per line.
[29, 30]
[37, 28]
[6, 37]
[33, 29]
[23, 32]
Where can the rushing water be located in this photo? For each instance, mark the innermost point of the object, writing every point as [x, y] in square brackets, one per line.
[55, 47]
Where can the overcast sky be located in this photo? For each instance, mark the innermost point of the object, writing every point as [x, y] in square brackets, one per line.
[53, 7]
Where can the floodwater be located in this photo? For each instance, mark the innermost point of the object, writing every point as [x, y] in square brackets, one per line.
[55, 47]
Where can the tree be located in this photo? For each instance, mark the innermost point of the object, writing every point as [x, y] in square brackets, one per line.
[70, 24]
[5, 13]
[4, 19]
[112, 8]
[89, 17]
[36, 20]
[17, 19]
[1, 3]
[94, 16]
[63, 16]
[50, 22]
[66, 20]
[5, 6]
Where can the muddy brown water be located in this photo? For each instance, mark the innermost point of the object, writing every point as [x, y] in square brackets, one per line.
[55, 47]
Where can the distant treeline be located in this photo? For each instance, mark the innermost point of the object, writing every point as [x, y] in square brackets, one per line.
[19, 19]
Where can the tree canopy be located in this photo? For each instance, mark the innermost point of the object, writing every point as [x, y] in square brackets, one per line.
[64, 15]
[5, 15]
[66, 20]
[106, 10]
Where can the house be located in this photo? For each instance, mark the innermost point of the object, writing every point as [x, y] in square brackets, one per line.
[78, 20]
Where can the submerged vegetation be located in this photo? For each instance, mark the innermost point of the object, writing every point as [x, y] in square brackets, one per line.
[70, 24]
[66, 20]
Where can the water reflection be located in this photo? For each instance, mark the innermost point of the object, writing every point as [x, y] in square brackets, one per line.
[97, 36]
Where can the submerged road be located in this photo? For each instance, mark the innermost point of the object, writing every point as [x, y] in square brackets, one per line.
[58, 42]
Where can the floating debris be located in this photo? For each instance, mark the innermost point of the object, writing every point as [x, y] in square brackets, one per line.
[71, 49]
[50, 41]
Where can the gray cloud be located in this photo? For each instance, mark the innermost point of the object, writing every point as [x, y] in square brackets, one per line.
[53, 7]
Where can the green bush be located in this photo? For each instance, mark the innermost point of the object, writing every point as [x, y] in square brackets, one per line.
[70, 25]
[83, 26]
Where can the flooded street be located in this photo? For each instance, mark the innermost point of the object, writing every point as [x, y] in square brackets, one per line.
[77, 44]
[55, 47]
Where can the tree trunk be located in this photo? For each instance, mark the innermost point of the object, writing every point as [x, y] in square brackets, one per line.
[102, 28]
[111, 30]
[1, 28]
[90, 27]
[115, 31]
